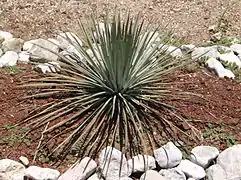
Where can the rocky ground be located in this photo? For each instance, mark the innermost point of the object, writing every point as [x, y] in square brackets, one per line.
[189, 19]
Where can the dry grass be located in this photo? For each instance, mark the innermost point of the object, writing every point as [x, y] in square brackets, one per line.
[189, 18]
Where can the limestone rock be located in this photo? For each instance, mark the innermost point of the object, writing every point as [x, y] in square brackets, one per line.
[141, 163]
[214, 65]
[230, 161]
[226, 73]
[173, 174]
[187, 48]
[203, 155]
[236, 48]
[95, 177]
[215, 172]
[175, 51]
[51, 67]
[208, 52]
[68, 39]
[191, 170]
[83, 170]
[230, 58]
[24, 160]
[168, 156]
[5, 35]
[151, 175]
[1, 52]
[41, 49]
[10, 58]
[13, 44]
[113, 163]
[23, 57]
[11, 170]
[38, 173]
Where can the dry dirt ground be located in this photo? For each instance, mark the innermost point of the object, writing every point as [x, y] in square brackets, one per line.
[189, 19]
[217, 115]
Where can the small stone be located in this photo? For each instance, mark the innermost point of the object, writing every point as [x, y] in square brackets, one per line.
[230, 161]
[68, 38]
[113, 164]
[168, 156]
[173, 174]
[41, 49]
[14, 44]
[187, 48]
[215, 172]
[10, 58]
[152, 175]
[83, 170]
[191, 170]
[24, 160]
[1, 52]
[208, 52]
[11, 170]
[175, 51]
[94, 177]
[230, 58]
[42, 68]
[216, 36]
[38, 173]
[54, 41]
[5, 35]
[236, 48]
[141, 163]
[213, 28]
[226, 73]
[23, 57]
[203, 155]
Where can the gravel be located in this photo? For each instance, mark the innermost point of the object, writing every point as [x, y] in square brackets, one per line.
[189, 19]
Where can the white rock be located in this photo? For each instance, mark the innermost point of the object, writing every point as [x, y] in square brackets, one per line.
[214, 64]
[23, 57]
[191, 170]
[209, 52]
[175, 51]
[151, 175]
[215, 172]
[39, 173]
[173, 174]
[236, 48]
[187, 48]
[45, 68]
[230, 58]
[10, 58]
[230, 161]
[40, 48]
[191, 179]
[5, 35]
[168, 156]
[55, 41]
[203, 155]
[1, 52]
[225, 73]
[14, 44]
[71, 50]
[141, 163]
[68, 38]
[95, 177]
[24, 160]
[83, 170]
[112, 162]
[11, 170]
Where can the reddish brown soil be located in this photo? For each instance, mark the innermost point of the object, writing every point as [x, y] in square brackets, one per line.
[219, 105]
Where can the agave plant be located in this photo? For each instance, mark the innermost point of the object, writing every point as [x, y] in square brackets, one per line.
[113, 96]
